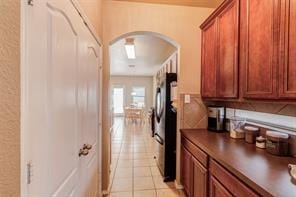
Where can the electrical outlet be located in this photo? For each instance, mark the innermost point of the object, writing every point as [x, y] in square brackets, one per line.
[187, 98]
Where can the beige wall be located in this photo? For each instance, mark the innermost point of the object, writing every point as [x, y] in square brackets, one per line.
[197, 3]
[93, 10]
[181, 23]
[10, 98]
[128, 82]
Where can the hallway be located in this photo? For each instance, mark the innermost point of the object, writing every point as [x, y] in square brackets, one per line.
[134, 171]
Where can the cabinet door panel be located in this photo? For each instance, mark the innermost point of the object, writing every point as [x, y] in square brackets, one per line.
[228, 51]
[287, 79]
[200, 179]
[260, 52]
[186, 170]
[217, 189]
[209, 60]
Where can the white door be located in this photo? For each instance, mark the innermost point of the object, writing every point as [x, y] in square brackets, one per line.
[88, 116]
[61, 110]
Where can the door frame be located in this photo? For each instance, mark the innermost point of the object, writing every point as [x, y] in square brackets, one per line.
[24, 132]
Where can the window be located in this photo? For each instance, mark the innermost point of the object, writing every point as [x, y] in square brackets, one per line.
[138, 95]
[118, 100]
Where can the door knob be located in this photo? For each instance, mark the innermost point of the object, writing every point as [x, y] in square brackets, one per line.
[87, 146]
[83, 152]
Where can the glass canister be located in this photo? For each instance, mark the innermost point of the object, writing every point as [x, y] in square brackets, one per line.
[236, 127]
[251, 134]
[277, 143]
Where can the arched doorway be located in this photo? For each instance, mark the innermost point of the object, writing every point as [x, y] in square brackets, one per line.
[171, 51]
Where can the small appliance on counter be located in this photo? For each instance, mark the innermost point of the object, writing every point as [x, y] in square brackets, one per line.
[216, 118]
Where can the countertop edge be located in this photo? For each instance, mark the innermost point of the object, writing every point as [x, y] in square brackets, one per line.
[253, 185]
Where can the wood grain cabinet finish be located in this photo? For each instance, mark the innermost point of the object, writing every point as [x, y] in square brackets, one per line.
[227, 57]
[209, 60]
[212, 180]
[287, 66]
[200, 179]
[217, 189]
[220, 52]
[194, 176]
[186, 170]
[260, 47]
[229, 181]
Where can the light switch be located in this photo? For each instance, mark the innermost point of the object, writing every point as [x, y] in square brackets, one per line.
[187, 98]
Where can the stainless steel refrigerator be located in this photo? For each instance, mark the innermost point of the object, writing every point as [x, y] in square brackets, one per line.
[165, 132]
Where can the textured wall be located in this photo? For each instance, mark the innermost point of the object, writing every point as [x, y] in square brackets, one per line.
[93, 10]
[10, 98]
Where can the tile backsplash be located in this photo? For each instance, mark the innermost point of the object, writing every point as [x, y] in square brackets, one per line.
[192, 111]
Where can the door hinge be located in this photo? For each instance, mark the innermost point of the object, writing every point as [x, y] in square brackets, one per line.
[29, 173]
[31, 2]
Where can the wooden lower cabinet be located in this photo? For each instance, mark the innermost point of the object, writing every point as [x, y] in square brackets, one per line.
[200, 179]
[186, 170]
[194, 176]
[217, 189]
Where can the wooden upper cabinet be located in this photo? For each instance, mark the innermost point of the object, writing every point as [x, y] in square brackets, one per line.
[259, 53]
[220, 52]
[227, 60]
[287, 67]
[209, 60]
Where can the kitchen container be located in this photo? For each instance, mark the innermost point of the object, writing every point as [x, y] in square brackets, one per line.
[292, 145]
[216, 118]
[277, 143]
[261, 142]
[236, 127]
[251, 134]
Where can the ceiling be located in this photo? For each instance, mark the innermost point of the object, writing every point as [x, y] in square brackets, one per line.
[151, 52]
[196, 3]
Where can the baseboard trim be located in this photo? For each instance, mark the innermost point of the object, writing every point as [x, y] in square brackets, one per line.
[178, 186]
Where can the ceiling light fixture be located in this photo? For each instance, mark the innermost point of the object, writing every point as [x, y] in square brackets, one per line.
[130, 48]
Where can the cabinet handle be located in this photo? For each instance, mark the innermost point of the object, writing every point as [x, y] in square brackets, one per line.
[87, 146]
[83, 152]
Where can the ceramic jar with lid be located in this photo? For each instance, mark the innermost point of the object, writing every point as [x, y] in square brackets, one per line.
[277, 143]
[251, 133]
[261, 142]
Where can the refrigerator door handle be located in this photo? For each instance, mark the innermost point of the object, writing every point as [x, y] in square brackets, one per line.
[158, 138]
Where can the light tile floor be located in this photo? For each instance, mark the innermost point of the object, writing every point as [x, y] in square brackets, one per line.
[133, 170]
